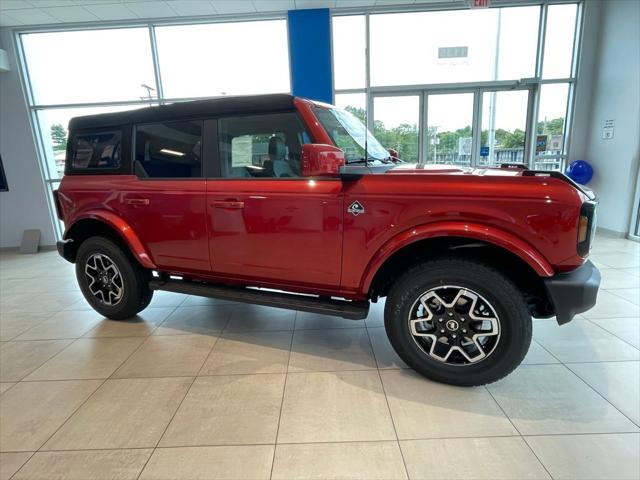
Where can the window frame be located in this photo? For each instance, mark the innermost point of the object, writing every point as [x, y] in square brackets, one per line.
[534, 83]
[70, 150]
[217, 169]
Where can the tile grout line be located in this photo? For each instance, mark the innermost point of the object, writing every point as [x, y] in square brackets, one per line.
[610, 332]
[181, 401]
[517, 430]
[601, 395]
[206, 445]
[386, 401]
[74, 412]
[284, 387]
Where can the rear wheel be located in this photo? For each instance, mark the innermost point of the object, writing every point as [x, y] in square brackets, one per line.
[113, 283]
[458, 321]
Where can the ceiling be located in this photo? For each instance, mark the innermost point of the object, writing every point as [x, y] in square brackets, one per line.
[43, 12]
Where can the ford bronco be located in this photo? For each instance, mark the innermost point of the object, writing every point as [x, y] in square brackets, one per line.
[280, 201]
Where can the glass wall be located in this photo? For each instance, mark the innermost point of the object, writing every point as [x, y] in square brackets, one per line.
[116, 69]
[519, 60]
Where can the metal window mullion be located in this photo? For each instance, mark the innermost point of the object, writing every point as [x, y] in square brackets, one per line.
[531, 130]
[476, 129]
[423, 125]
[367, 86]
[156, 63]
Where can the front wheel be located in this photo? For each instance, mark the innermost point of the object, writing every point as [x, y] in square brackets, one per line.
[112, 282]
[458, 321]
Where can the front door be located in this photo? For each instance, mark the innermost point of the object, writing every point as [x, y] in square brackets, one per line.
[267, 223]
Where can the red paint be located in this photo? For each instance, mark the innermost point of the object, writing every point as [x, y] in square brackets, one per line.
[296, 234]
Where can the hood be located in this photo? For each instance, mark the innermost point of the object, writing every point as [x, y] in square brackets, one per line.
[417, 169]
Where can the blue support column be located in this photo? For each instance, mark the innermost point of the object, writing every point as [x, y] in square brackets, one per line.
[310, 54]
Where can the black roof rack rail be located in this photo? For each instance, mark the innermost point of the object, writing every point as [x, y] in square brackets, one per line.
[562, 177]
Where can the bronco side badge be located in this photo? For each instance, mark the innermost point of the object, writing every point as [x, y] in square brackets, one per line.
[355, 208]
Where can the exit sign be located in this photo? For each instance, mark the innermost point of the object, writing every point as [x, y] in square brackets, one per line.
[479, 3]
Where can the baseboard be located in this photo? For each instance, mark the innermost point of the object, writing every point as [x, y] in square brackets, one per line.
[41, 248]
[606, 232]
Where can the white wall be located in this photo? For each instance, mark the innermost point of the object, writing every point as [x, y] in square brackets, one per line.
[612, 92]
[24, 206]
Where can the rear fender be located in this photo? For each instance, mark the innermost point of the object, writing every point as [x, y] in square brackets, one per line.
[125, 231]
[492, 235]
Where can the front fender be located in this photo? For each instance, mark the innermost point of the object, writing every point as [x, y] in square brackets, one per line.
[492, 235]
[124, 230]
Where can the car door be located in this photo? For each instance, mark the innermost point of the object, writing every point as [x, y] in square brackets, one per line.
[165, 202]
[268, 224]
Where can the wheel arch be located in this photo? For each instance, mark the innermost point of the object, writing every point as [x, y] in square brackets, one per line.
[110, 226]
[526, 267]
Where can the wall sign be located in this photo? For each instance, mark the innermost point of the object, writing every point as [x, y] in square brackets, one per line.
[541, 143]
[607, 130]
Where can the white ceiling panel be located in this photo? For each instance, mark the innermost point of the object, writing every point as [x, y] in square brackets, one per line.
[7, 20]
[71, 14]
[274, 5]
[32, 16]
[54, 3]
[111, 11]
[14, 4]
[380, 3]
[354, 3]
[151, 9]
[191, 7]
[302, 4]
[233, 6]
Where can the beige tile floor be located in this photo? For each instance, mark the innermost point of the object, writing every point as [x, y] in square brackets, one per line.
[194, 388]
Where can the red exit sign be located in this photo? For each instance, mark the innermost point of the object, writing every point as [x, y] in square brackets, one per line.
[479, 3]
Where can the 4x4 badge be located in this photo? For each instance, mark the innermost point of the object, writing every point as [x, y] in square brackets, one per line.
[356, 208]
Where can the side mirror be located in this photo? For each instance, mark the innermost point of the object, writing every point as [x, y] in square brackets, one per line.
[320, 160]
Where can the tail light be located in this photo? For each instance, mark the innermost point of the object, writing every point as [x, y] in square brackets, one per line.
[56, 202]
[586, 228]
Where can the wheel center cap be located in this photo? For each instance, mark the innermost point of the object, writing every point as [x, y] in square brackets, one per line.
[452, 325]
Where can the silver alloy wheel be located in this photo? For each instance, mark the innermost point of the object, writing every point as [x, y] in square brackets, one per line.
[454, 325]
[105, 280]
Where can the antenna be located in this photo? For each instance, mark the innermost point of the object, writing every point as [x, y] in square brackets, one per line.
[149, 94]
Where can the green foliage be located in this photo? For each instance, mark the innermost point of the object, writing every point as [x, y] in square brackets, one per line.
[404, 138]
[58, 137]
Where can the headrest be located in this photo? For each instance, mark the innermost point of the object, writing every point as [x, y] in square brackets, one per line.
[277, 148]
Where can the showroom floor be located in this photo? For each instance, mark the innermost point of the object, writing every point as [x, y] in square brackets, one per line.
[201, 389]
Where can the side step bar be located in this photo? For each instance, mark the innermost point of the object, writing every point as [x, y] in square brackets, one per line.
[341, 308]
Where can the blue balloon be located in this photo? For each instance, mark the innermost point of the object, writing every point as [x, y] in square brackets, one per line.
[580, 171]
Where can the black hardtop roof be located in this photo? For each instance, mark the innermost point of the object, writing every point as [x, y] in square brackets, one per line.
[184, 110]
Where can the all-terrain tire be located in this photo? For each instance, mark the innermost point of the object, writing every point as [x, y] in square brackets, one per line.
[515, 323]
[135, 295]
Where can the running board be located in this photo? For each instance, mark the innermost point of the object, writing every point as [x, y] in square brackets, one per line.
[352, 310]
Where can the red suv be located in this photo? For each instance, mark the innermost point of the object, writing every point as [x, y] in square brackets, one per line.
[280, 201]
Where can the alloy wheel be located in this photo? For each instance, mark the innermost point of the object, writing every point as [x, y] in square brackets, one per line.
[104, 279]
[454, 325]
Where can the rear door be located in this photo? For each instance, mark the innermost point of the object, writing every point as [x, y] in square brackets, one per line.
[165, 202]
[266, 222]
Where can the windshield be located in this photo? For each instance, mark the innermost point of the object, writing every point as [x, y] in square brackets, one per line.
[348, 134]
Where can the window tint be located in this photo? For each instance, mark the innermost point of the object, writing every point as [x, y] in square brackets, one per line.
[261, 145]
[99, 150]
[169, 150]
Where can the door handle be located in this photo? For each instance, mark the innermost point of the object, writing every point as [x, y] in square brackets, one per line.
[137, 202]
[232, 204]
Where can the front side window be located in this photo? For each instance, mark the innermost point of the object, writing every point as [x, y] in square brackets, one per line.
[261, 145]
[350, 135]
[97, 151]
[169, 150]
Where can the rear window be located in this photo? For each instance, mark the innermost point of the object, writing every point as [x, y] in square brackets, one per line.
[97, 151]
